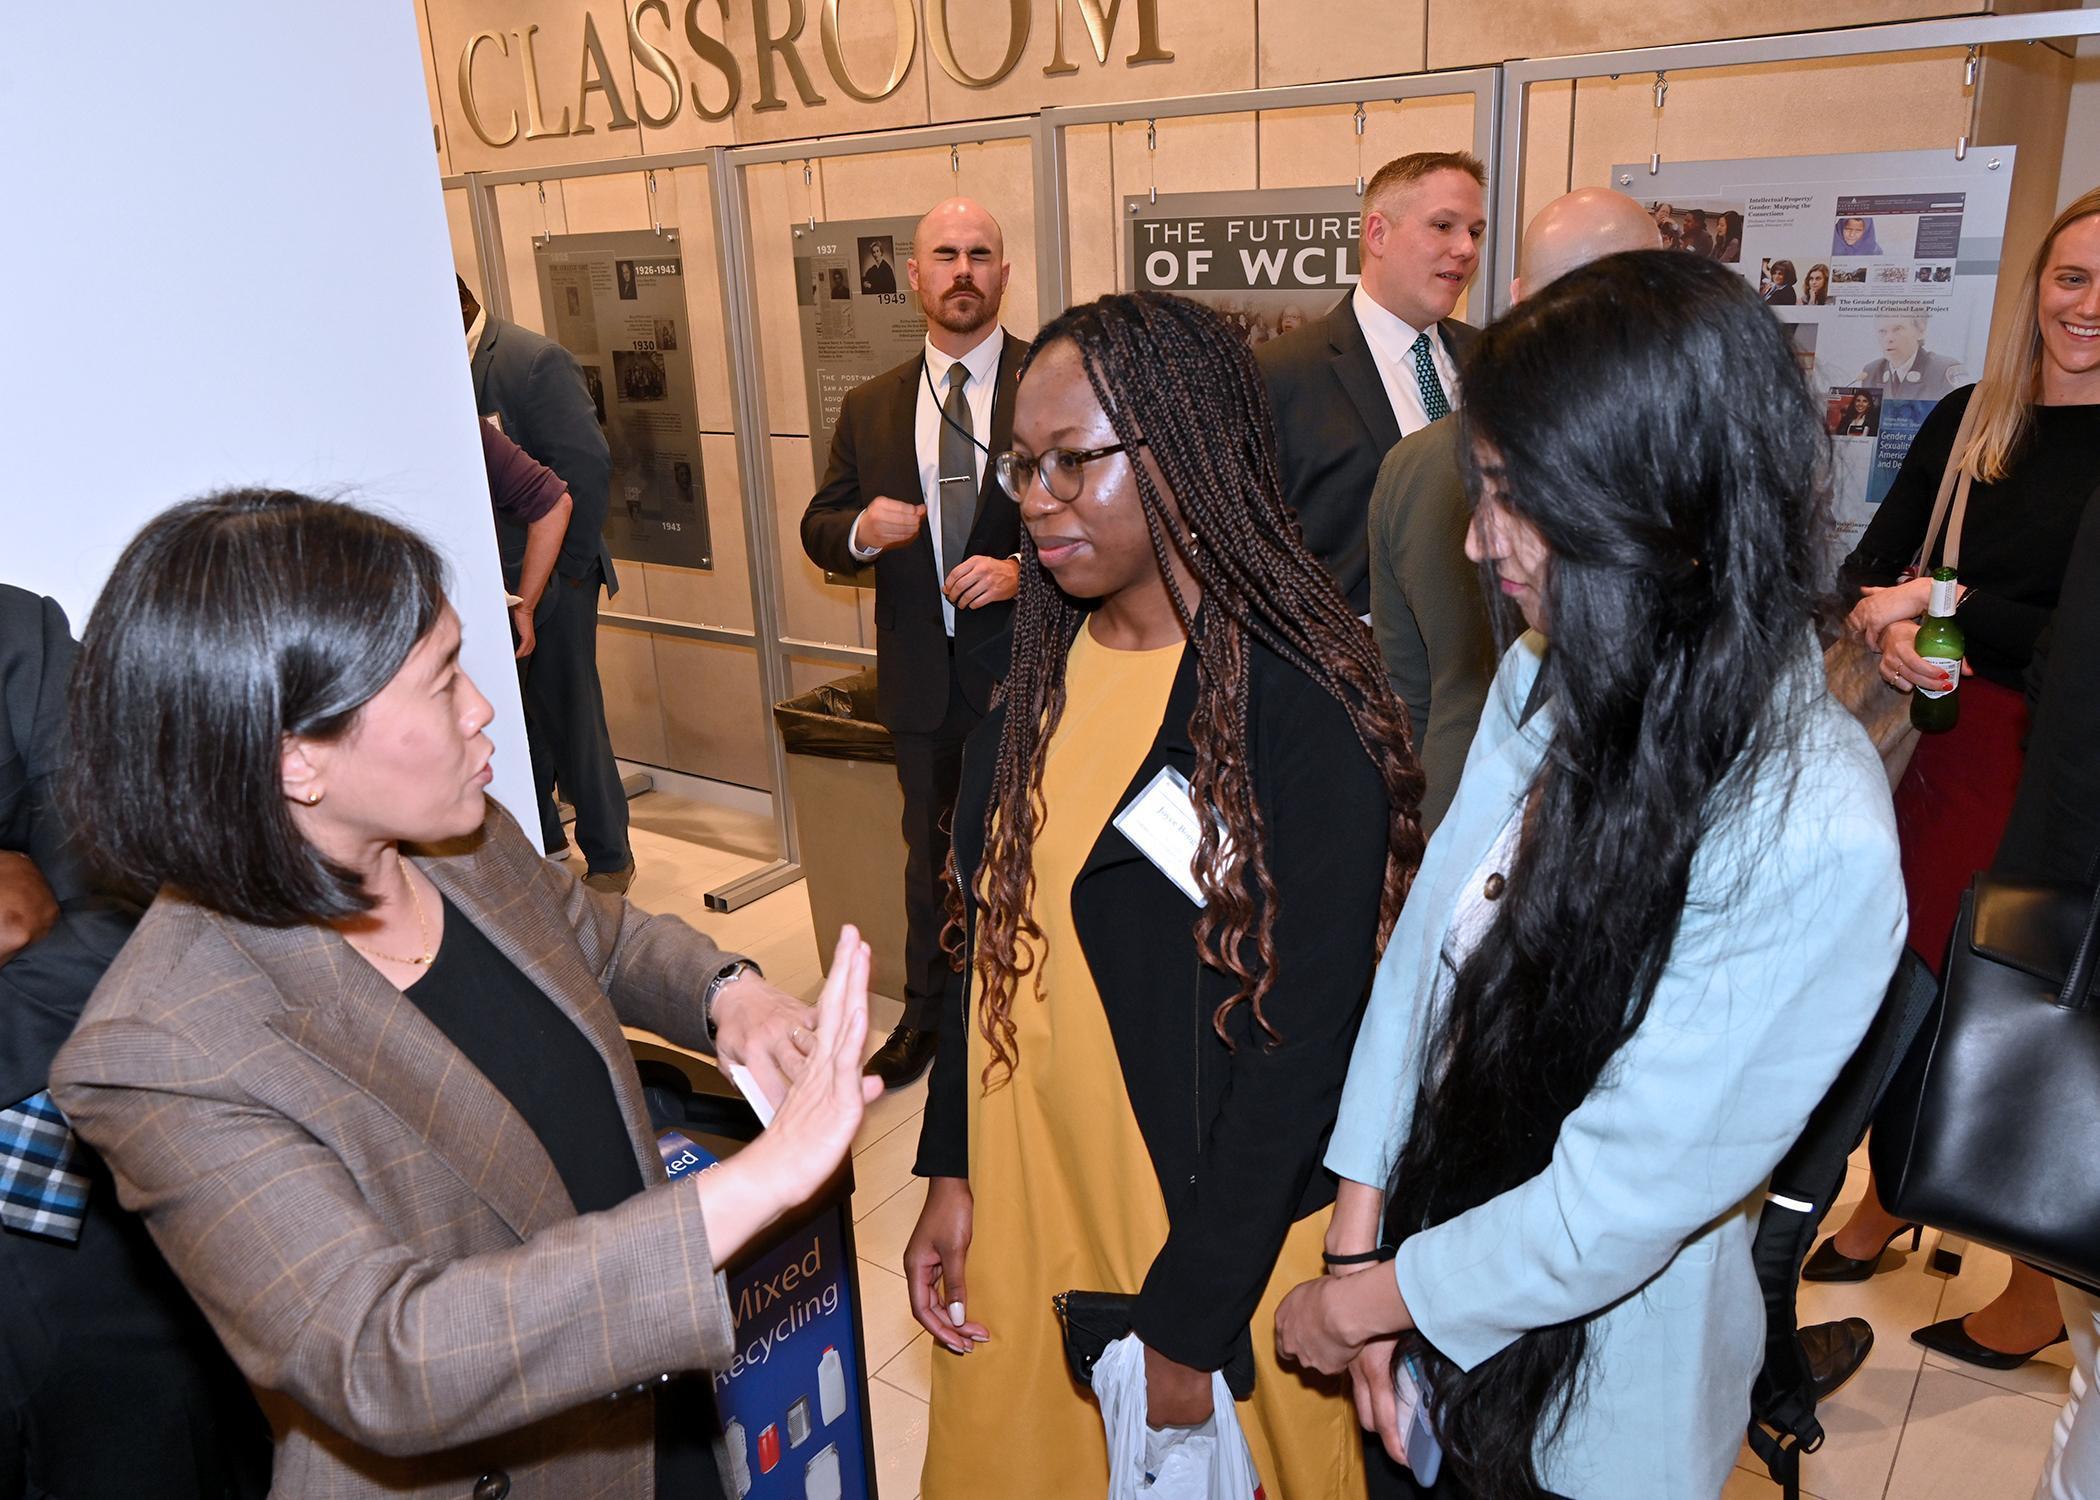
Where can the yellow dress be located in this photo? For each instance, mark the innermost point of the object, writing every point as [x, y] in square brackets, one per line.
[1065, 1193]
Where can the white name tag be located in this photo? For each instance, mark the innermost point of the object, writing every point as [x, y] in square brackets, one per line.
[1161, 821]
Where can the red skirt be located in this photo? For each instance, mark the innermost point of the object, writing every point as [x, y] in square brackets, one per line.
[1952, 807]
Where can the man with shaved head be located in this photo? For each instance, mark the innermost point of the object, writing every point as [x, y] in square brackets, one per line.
[1427, 609]
[910, 490]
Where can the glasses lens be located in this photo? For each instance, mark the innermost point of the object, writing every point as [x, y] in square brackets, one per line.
[1064, 473]
[1014, 472]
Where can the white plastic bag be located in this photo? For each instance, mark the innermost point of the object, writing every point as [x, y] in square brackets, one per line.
[1210, 1462]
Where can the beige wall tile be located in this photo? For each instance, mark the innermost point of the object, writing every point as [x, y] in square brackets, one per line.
[1317, 147]
[715, 723]
[521, 214]
[683, 198]
[2025, 99]
[1783, 109]
[500, 80]
[1093, 212]
[778, 201]
[1549, 127]
[1213, 43]
[811, 608]
[461, 227]
[1463, 33]
[1311, 41]
[627, 673]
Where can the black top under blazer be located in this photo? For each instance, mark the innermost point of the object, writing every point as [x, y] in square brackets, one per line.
[1235, 1134]
[874, 453]
[1334, 427]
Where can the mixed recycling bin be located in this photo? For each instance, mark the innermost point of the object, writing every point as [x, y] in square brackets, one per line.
[849, 820]
[790, 1412]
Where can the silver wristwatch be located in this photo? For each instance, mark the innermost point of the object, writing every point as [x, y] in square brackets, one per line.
[735, 969]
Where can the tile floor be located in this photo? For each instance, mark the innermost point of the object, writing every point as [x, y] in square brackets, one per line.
[1908, 1426]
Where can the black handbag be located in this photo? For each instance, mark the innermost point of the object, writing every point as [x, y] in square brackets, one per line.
[1094, 1320]
[1992, 1127]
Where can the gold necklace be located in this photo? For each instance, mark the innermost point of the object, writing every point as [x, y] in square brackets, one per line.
[422, 926]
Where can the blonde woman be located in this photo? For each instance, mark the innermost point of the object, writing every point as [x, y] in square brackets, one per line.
[2034, 459]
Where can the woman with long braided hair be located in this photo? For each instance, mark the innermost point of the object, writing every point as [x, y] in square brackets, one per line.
[1657, 920]
[1142, 1058]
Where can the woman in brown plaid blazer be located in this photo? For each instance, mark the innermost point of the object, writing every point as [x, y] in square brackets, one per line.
[367, 1173]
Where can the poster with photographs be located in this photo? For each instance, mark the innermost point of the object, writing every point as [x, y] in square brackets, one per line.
[1268, 260]
[1882, 266]
[859, 318]
[617, 302]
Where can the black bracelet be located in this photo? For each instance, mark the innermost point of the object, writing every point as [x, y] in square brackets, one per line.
[1361, 1258]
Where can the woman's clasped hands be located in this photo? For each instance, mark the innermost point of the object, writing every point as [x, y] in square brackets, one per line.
[1886, 620]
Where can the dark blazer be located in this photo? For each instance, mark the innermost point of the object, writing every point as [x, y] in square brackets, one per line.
[44, 987]
[1930, 377]
[1239, 1162]
[377, 1235]
[1427, 611]
[1780, 296]
[1334, 426]
[879, 279]
[536, 388]
[873, 454]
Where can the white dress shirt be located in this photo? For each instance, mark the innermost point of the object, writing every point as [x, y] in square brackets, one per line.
[1391, 344]
[979, 386]
[481, 321]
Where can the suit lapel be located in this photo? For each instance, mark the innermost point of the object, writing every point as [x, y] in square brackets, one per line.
[484, 357]
[990, 497]
[1357, 373]
[340, 1012]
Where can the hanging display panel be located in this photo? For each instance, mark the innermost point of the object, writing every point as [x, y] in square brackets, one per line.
[1268, 260]
[617, 302]
[1882, 266]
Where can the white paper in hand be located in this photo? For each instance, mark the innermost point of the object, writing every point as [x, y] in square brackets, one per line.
[753, 1094]
[1162, 823]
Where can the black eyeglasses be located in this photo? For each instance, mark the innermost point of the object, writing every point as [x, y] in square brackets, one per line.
[1061, 469]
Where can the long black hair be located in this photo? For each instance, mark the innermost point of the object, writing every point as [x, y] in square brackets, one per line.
[1172, 374]
[1646, 415]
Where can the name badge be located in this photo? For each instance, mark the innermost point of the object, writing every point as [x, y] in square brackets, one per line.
[1163, 825]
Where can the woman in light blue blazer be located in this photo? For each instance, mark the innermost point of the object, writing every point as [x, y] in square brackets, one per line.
[1655, 923]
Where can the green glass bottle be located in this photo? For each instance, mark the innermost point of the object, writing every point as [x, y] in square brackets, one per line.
[1940, 644]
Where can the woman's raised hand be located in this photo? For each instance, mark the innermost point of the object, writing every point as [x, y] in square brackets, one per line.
[814, 1126]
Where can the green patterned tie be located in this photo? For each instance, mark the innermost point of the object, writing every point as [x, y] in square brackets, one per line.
[1434, 402]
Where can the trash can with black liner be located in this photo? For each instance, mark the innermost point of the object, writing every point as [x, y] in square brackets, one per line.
[849, 819]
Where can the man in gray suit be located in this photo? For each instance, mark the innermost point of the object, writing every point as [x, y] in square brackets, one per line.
[1907, 370]
[1384, 361]
[1427, 610]
[534, 390]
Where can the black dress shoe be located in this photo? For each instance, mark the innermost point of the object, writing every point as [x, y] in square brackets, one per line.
[1828, 1265]
[904, 1054]
[1951, 1339]
[1834, 1352]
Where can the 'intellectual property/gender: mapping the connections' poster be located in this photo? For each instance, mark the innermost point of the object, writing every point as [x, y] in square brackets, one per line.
[1882, 266]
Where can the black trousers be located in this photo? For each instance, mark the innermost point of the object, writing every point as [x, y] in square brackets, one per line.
[111, 1382]
[565, 728]
[928, 769]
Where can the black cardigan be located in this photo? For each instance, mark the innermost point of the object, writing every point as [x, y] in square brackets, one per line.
[1236, 1135]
